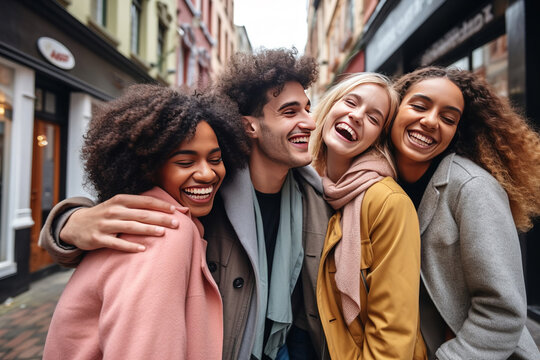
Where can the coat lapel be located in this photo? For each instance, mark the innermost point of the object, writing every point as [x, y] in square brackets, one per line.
[238, 201]
[430, 199]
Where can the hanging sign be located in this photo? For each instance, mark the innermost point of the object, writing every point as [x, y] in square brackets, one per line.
[56, 53]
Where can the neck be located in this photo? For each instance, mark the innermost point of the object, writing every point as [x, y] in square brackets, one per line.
[266, 175]
[336, 166]
[411, 171]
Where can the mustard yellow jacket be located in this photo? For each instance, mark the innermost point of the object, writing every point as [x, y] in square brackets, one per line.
[388, 324]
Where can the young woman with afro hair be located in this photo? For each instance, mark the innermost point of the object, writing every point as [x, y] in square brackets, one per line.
[161, 303]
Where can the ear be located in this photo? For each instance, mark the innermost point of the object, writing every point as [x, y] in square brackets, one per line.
[251, 126]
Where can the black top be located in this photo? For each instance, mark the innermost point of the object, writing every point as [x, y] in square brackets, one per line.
[270, 210]
[270, 206]
[416, 189]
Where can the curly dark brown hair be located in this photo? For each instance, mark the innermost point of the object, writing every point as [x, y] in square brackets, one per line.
[248, 77]
[494, 136]
[130, 138]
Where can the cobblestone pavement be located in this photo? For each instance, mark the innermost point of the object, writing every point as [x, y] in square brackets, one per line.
[24, 320]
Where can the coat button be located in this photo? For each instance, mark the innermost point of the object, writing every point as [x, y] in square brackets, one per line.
[212, 266]
[238, 283]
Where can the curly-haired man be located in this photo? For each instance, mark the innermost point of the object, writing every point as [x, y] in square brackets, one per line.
[267, 226]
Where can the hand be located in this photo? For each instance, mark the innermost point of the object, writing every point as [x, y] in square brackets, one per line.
[97, 227]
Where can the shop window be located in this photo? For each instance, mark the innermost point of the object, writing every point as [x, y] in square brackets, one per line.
[45, 101]
[6, 111]
[491, 62]
[38, 102]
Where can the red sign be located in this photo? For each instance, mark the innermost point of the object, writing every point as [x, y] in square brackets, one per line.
[56, 53]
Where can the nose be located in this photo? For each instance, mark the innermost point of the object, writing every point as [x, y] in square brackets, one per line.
[430, 120]
[307, 122]
[204, 173]
[357, 114]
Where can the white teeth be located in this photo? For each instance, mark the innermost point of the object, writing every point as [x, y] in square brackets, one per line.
[347, 128]
[199, 191]
[300, 140]
[424, 139]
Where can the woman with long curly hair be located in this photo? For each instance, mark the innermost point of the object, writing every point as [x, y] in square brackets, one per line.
[161, 303]
[471, 165]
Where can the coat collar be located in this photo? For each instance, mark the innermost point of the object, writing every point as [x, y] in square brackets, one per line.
[311, 177]
[238, 201]
[430, 199]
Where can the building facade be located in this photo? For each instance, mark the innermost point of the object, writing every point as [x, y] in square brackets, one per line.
[242, 40]
[196, 44]
[57, 61]
[494, 38]
[333, 27]
[224, 32]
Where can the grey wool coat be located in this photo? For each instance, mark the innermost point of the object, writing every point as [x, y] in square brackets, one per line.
[471, 264]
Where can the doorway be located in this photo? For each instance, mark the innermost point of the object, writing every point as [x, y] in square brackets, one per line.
[45, 191]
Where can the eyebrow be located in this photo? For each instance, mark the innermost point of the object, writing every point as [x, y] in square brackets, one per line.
[191, 152]
[427, 98]
[358, 97]
[293, 103]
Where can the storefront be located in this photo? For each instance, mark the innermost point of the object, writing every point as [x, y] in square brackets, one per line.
[53, 70]
[493, 38]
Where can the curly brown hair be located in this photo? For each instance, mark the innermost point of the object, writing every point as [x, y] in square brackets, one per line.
[494, 136]
[130, 138]
[248, 77]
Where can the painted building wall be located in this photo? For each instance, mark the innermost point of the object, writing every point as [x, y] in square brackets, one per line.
[116, 30]
[223, 30]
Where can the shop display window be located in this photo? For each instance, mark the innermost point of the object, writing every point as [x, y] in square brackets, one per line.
[489, 61]
[6, 111]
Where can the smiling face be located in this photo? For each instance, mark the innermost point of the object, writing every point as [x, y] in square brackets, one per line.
[282, 132]
[194, 171]
[355, 122]
[425, 124]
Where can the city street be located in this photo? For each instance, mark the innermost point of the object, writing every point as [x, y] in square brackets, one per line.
[24, 320]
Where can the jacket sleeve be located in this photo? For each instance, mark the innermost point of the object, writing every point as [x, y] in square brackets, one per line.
[394, 278]
[49, 238]
[144, 299]
[493, 273]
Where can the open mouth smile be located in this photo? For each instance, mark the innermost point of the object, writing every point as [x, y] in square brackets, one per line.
[299, 139]
[420, 139]
[199, 193]
[346, 131]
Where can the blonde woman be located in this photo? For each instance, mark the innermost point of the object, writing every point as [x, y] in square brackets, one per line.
[368, 282]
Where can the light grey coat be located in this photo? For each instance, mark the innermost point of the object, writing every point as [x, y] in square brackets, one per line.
[471, 264]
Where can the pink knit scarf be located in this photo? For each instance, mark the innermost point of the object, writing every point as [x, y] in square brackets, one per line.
[347, 193]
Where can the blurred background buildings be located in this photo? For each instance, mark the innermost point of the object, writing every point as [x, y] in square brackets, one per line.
[61, 58]
[494, 38]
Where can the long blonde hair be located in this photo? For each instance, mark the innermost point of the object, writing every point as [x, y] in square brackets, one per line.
[318, 147]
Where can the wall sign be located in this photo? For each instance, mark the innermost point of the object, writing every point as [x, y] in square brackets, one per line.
[397, 27]
[56, 53]
[457, 35]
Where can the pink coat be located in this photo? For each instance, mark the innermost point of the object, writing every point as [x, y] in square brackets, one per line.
[159, 304]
